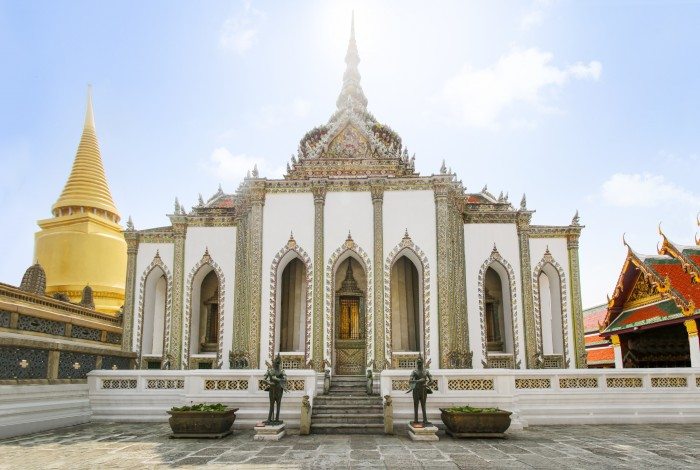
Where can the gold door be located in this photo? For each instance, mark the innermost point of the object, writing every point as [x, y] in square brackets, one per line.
[349, 338]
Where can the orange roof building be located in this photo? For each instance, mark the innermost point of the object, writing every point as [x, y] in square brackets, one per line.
[652, 317]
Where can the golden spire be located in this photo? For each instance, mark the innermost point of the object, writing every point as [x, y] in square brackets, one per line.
[351, 94]
[87, 184]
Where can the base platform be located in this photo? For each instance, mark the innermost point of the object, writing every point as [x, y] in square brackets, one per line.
[200, 436]
[476, 435]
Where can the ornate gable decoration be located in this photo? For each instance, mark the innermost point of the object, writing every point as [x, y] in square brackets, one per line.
[352, 144]
[643, 292]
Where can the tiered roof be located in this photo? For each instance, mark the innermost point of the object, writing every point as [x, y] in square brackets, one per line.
[598, 348]
[655, 290]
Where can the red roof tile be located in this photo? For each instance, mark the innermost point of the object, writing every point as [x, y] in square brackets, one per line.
[601, 355]
[680, 280]
[590, 339]
[593, 316]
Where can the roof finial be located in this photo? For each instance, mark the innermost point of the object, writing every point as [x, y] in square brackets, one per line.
[351, 94]
[89, 116]
[523, 203]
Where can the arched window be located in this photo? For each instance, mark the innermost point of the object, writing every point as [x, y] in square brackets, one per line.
[497, 310]
[292, 328]
[406, 309]
[551, 311]
[153, 330]
[205, 312]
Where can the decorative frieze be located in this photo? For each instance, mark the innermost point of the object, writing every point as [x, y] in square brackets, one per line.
[165, 384]
[211, 384]
[118, 384]
[669, 382]
[465, 384]
[578, 382]
[41, 325]
[623, 382]
[533, 383]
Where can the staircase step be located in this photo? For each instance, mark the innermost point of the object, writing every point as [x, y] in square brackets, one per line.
[349, 419]
[346, 409]
[345, 400]
[346, 428]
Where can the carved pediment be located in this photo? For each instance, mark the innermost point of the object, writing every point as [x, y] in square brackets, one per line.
[643, 292]
[349, 143]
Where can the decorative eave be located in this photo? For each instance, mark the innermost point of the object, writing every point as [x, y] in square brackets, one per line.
[671, 249]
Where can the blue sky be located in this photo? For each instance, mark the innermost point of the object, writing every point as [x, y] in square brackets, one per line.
[581, 105]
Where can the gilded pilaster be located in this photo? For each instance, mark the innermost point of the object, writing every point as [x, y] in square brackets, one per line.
[132, 248]
[576, 305]
[523, 228]
[256, 216]
[442, 227]
[377, 191]
[179, 224]
[319, 192]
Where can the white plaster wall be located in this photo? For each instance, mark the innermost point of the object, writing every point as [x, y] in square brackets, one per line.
[415, 211]
[282, 215]
[144, 257]
[221, 242]
[558, 249]
[478, 244]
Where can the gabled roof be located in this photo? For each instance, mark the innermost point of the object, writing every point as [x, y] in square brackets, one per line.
[655, 289]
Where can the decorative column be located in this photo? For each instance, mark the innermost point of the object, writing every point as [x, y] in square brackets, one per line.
[692, 327]
[377, 190]
[179, 223]
[617, 349]
[319, 192]
[256, 214]
[132, 248]
[442, 227]
[241, 328]
[575, 289]
[461, 286]
[523, 227]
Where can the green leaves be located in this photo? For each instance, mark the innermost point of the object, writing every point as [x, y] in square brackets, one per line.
[216, 407]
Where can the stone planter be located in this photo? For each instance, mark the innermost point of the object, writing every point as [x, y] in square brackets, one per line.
[484, 424]
[212, 424]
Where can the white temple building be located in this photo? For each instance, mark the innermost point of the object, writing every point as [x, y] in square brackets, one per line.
[354, 261]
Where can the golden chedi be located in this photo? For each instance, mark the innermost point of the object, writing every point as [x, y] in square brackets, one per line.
[83, 243]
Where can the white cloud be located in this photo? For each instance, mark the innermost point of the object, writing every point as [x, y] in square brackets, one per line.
[645, 190]
[276, 115]
[478, 97]
[240, 32]
[531, 19]
[229, 167]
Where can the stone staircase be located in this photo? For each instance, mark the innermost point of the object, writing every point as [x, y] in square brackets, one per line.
[347, 409]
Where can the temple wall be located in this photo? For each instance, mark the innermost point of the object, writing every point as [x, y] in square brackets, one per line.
[415, 211]
[479, 240]
[221, 243]
[283, 213]
[144, 257]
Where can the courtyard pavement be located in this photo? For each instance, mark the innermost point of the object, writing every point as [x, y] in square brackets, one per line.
[119, 445]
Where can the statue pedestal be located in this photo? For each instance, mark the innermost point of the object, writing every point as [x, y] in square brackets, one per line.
[421, 433]
[265, 432]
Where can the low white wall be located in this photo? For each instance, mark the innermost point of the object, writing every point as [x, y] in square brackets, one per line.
[541, 397]
[26, 409]
[146, 395]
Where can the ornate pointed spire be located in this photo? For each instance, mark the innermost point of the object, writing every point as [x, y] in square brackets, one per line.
[351, 94]
[87, 184]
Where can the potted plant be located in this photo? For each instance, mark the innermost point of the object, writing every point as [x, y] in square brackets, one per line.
[202, 420]
[468, 421]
